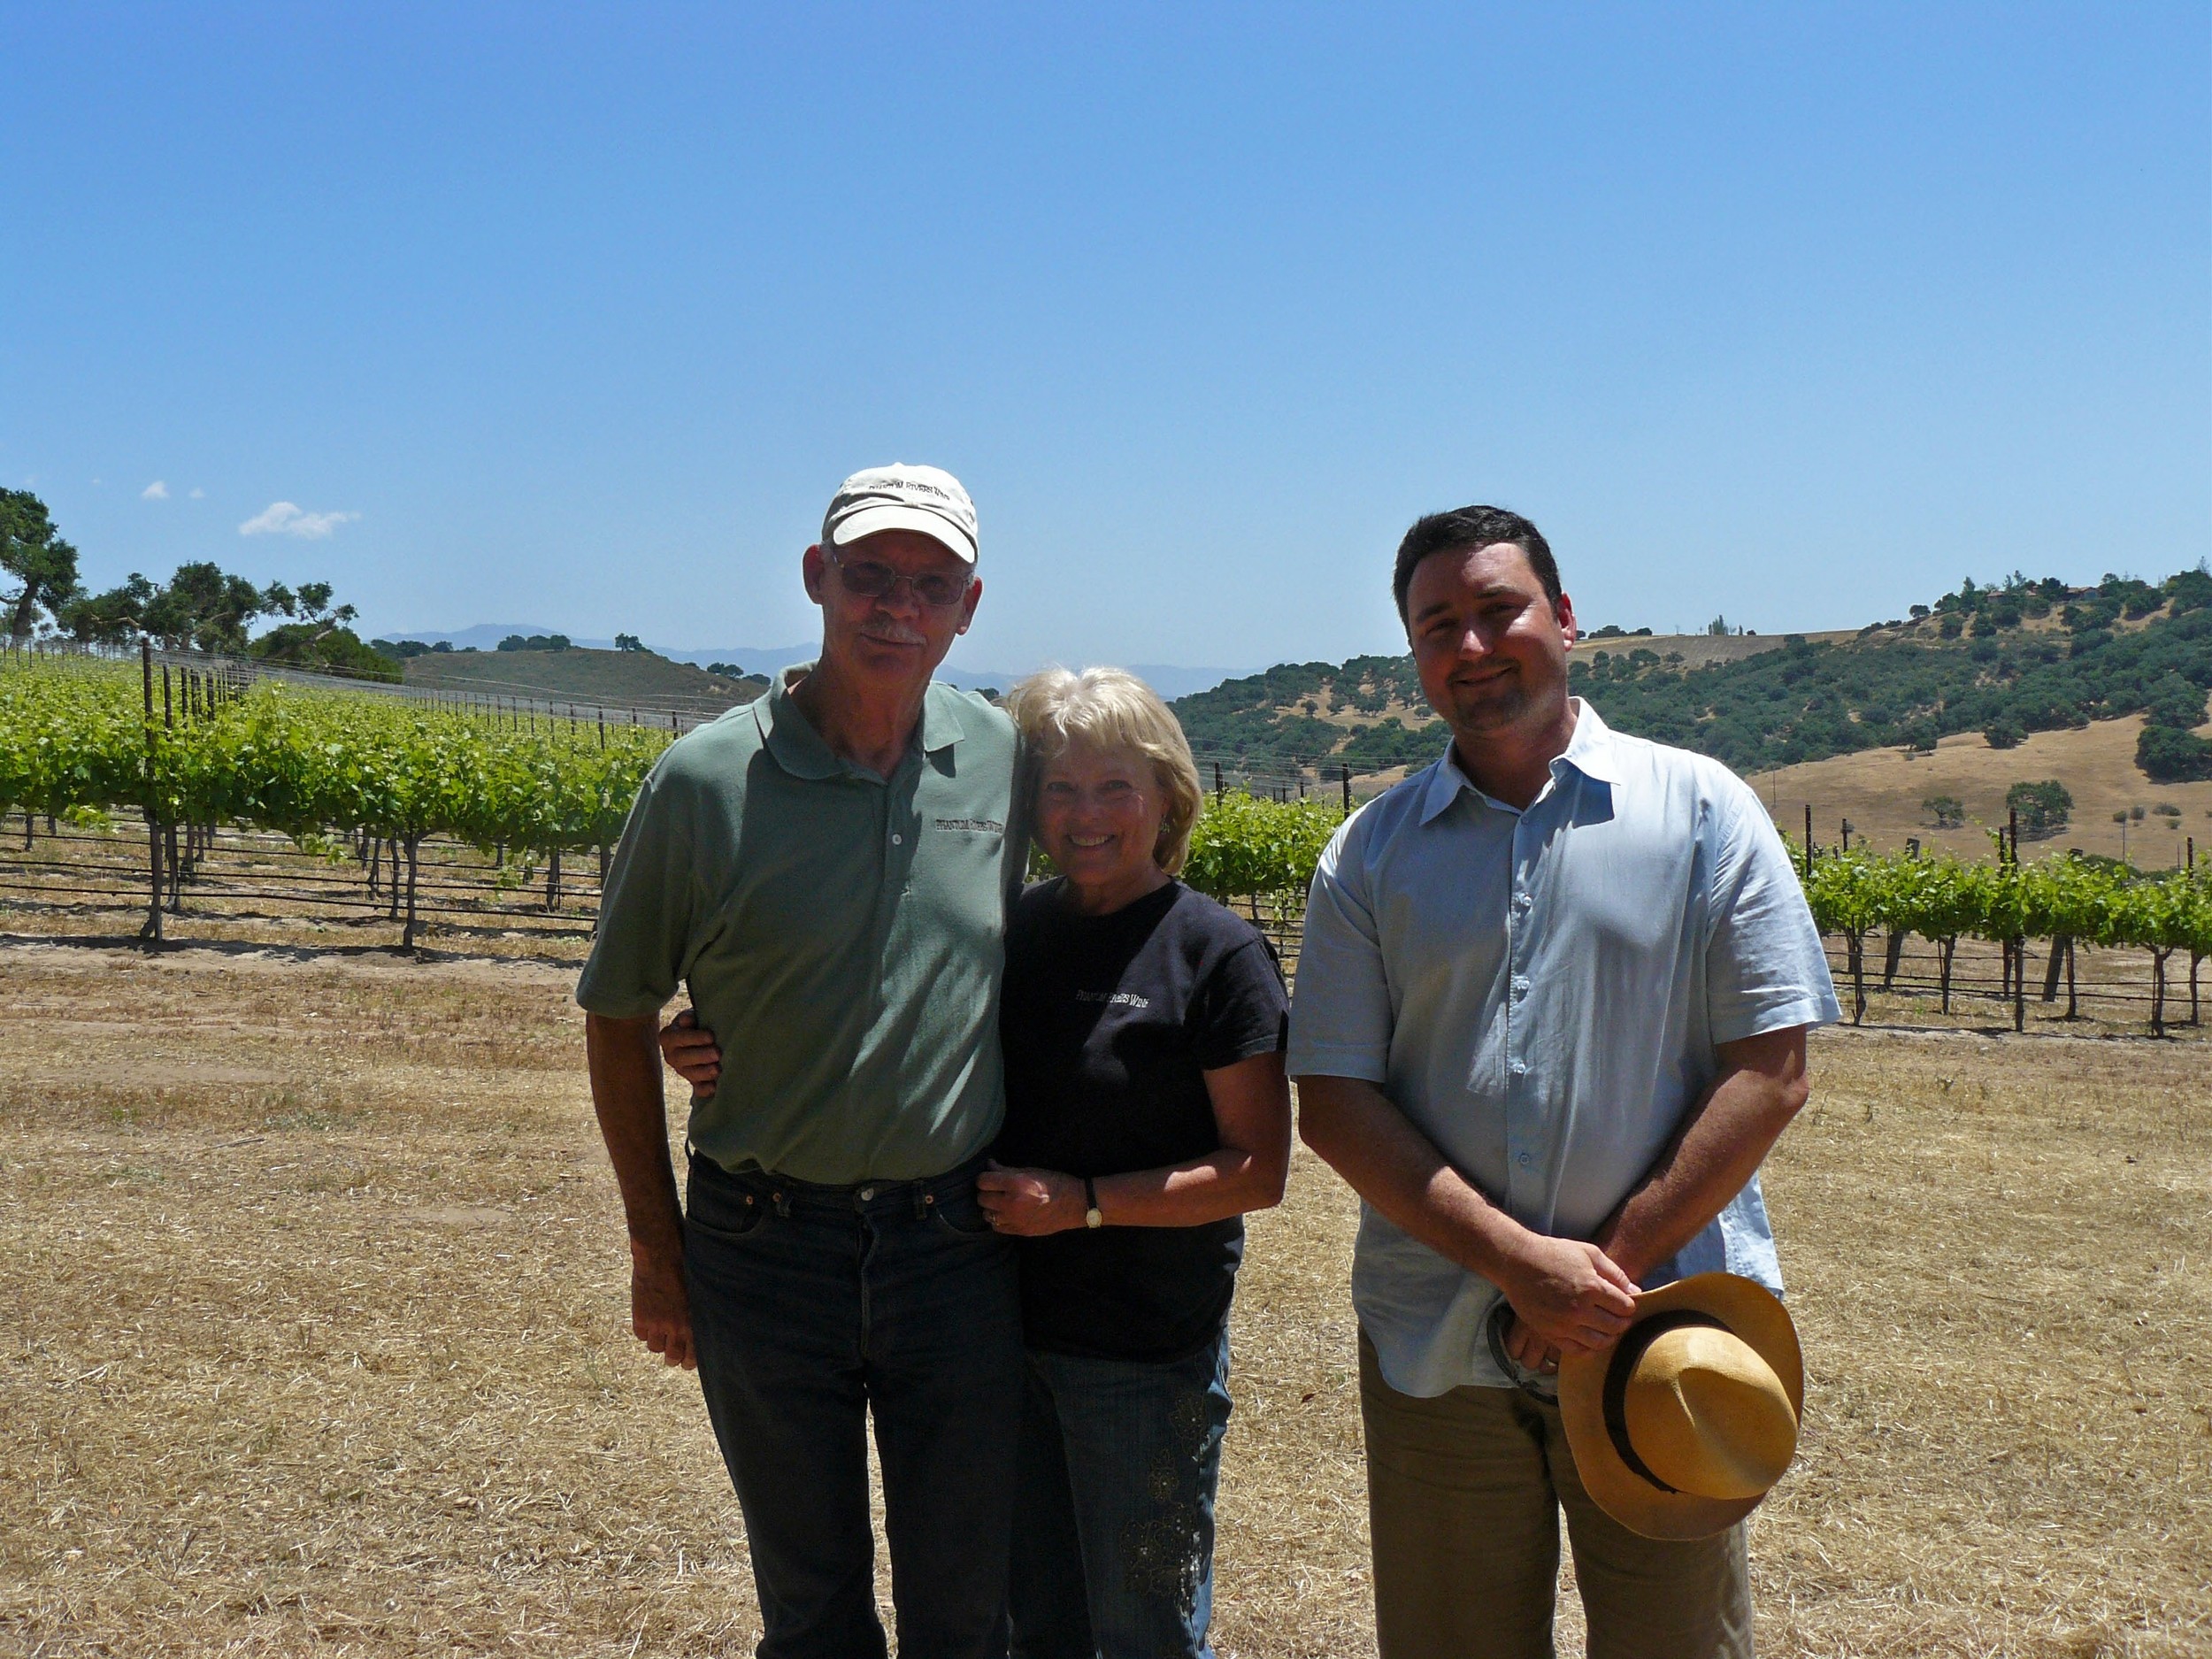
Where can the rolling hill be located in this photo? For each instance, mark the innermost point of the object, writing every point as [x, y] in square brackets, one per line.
[2006, 662]
[1884, 794]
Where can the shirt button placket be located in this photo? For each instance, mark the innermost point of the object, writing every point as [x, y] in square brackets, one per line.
[1519, 1125]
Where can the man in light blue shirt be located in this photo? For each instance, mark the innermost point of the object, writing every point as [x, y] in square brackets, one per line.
[1551, 1013]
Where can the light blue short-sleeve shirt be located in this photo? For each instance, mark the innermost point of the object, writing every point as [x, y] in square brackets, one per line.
[1541, 992]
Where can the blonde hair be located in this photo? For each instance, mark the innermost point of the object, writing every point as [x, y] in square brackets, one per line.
[1113, 711]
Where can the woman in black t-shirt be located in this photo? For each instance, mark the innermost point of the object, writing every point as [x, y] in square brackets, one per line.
[1146, 1111]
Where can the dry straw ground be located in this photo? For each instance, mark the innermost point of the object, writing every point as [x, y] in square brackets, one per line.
[313, 1342]
[1881, 790]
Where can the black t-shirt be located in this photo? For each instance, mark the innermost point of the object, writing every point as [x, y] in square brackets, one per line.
[1109, 1024]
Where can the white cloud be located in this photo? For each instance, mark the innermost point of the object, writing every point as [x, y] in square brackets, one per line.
[284, 518]
[198, 494]
[155, 491]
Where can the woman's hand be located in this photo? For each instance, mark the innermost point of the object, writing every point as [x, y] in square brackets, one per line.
[1029, 1203]
[691, 1053]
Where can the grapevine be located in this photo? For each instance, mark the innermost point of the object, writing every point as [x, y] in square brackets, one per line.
[76, 740]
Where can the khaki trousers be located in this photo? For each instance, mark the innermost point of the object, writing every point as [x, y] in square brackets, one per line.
[1464, 1494]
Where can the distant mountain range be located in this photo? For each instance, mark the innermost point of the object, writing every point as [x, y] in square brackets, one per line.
[1170, 679]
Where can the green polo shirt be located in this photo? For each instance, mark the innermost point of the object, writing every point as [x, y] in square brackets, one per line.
[841, 935]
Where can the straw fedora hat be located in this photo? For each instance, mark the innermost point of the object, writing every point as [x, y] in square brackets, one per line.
[1680, 1429]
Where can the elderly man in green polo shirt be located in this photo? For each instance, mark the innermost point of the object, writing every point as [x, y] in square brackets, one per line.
[827, 871]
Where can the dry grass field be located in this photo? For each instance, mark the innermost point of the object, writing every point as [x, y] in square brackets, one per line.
[1880, 791]
[314, 1342]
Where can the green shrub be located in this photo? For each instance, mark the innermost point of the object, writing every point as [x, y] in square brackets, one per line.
[2042, 808]
[2169, 755]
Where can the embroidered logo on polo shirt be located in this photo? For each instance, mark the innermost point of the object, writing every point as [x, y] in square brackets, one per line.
[1127, 999]
[979, 825]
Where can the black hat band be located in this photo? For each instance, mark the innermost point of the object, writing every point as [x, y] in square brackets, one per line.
[1627, 1355]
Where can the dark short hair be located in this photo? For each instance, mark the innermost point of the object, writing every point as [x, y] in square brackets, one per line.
[1464, 528]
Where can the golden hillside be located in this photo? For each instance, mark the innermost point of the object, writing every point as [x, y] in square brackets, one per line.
[1880, 791]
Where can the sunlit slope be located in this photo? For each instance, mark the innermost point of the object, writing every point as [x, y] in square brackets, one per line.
[2030, 658]
[1881, 792]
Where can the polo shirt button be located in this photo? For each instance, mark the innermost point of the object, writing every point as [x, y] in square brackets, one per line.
[898, 840]
[867, 1193]
[1524, 1160]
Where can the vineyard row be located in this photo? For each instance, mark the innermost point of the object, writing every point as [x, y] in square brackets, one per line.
[441, 810]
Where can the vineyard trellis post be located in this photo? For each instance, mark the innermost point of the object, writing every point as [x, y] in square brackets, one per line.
[407, 937]
[2196, 957]
[1893, 951]
[169, 829]
[1347, 771]
[151, 932]
[2019, 946]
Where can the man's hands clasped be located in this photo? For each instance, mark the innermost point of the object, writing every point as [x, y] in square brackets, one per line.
[1567, 1296]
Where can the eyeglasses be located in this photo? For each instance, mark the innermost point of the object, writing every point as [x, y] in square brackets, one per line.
[867, 580]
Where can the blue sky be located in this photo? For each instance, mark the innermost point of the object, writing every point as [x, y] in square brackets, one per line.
[576, 315]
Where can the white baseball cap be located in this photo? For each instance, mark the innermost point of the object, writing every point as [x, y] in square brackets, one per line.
[926, 499]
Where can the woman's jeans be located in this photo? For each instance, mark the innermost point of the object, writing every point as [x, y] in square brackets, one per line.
[813, 1307]
[1114, 1527]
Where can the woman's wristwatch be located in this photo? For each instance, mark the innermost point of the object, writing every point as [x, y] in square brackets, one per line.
[1092, 1216]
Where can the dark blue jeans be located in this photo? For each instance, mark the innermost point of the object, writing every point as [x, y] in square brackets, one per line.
[813, 1308]
[1114, 1534]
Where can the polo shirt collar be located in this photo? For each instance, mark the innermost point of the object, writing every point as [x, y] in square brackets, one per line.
[1592, 750]
[799, 748]
[941, 725]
